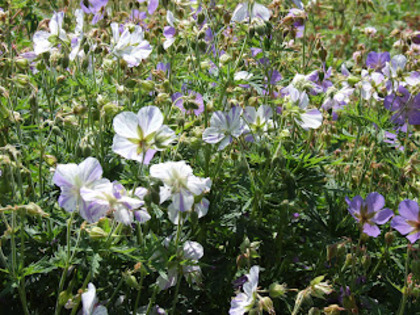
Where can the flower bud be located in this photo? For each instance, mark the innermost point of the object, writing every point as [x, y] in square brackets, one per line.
[200, 18]
[22, 63]
[35, 210]
[266, 304]
[22, 79]
[147, 85]
[277, 290]
[389, 238]
[226, 58]
[130, 280]
[97, 233]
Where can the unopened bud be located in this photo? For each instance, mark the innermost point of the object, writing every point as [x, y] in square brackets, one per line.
[277, 290]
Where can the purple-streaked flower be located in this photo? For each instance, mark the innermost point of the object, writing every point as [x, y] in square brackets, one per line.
[301, 83]
[181, 186]
[369, 212]
[392, 138]
[43, 41]
[192, 252]
[130, 45]
[244, 11]
[377, 60]
[112, 197]
[90, 302]
[95, 7]
[77, 38]
[224, 127]
[190, 104]
[405, 105]
[258, 122]
[169, 31]
[395, 70]
[138, 137]
[71, 178]
[152, 5]
[408, 220]
[244, 301]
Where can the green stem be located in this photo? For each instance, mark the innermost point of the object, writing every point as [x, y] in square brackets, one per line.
[405, 295]
[64, 273]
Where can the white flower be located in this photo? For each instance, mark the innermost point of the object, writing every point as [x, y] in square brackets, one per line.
[180, 185]
[90, 302]
[223, 127]
[242, 11]
[131, 45]
[138, 137]
[242, 75]
[308, 118]
[42, 39]
[244, 301]
[258, 121]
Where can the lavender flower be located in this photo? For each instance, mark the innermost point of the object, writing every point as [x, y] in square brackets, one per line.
[369, 212]
[408, 222]
[152, 5]
[95, 7]
[169, 31]
[258, 122]
[377, 60]
[112, 197]
[405, 105]
[223, 127]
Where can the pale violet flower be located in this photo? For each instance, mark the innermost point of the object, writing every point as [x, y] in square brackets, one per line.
[244, 301]
[95, 7]
[191, 252]
[370, 31]
[138, 137]
[152, 5]
[90, 302]
[71, 178]
[130, 45]
[181, 186]
[43, 41]
[258, 122]
[370, 83]
[395, 70]
[76, 41]
[112, 197]
[244, 11]
[223, 127]
[169, 31]
[306, 118]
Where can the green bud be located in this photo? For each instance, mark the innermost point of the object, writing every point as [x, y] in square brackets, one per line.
[277, 290]
[22, 63]
[131, 281]
[226, 58]
[267, 304]
[97, 233]
[147, 85]
[352, 80]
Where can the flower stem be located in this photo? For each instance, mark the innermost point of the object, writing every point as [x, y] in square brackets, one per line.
[405, 289]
